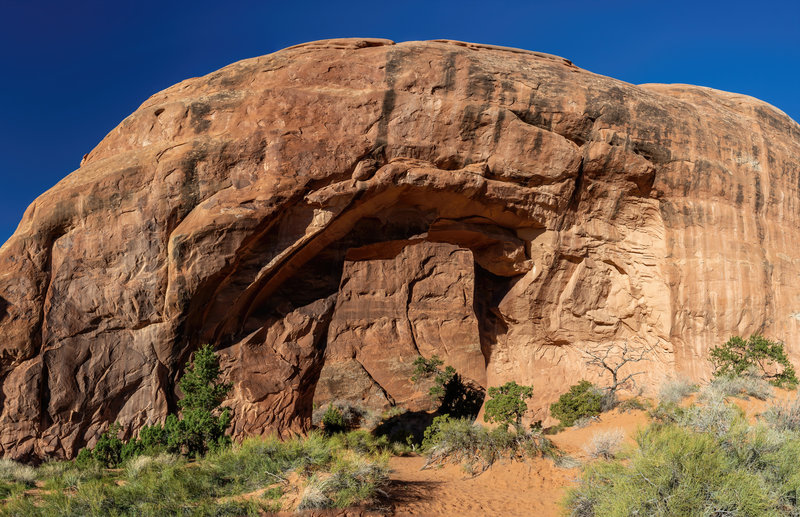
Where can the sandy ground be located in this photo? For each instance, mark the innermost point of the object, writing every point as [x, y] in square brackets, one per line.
[530, 488]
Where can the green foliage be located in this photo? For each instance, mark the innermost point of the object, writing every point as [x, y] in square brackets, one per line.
[333, 420]
[424, 368]
[213, 485]
[108, 449]
[200, 428]
[202, 425]
[633, 404]
[738, 355]
[454, 396]
[582, 400]
[706, 459]
[507, 404]
[674, 472]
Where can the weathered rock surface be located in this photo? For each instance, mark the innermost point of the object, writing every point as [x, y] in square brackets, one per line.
[325, 213]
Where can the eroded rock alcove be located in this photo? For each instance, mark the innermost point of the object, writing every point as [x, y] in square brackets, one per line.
[324, 214]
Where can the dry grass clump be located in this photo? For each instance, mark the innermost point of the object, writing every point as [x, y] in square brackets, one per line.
[139, 464]
[675, 390]
[477, 448]
[785, 417]
[353, 480]
[715, 416]
[605, 444]
[213, 485]
[743, 386]
[14, 472]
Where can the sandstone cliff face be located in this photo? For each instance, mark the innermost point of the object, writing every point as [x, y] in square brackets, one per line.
[325, 214]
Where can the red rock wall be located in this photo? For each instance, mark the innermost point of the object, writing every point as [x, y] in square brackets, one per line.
[324, 213]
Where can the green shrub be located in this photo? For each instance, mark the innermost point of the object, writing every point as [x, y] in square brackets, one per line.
[582, 400]
[768, 357]
[454, 396]
[200, 428]
[108, 449]
[202, 424]
[633, 404]
[667, 413]
[675, 471]
[333, 420]
[507, 404]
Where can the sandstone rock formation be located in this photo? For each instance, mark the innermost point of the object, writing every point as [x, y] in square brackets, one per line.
[324, 214]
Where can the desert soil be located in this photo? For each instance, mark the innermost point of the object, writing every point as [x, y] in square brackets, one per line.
[529, 488]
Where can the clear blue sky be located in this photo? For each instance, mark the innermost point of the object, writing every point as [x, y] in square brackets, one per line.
[72, 70]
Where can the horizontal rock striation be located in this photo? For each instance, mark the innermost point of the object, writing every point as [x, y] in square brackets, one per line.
[325, 214]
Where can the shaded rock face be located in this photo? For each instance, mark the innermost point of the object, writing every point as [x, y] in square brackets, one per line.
[325, 214]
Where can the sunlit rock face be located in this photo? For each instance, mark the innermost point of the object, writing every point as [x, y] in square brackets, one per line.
[325, 214]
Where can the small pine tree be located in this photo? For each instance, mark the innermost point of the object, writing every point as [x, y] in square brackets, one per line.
[108, 449]
[582, 400]
[738, 355]
[507, 404]
[455, 397]
[202, 425]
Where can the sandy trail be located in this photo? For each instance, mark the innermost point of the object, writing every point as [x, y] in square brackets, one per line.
[530, 488]
[524, 488]
[518, 488]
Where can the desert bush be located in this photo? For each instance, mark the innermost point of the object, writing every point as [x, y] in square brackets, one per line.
[744, 385]
[667, 413]
[715, 416]
[350, 415]
[476, 448]
[758, 353]
[633, 404]
[364, 442]
[584, 421]
[351, 481]
[582, 400]
[14, 472]
[675, 390]
[454, 396]
[507, 404]
[333, 420]
[605, 444]
[172, 485]
[784, 417]
[675, 471]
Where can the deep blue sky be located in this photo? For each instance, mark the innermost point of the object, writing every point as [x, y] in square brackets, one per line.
[72, 70]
